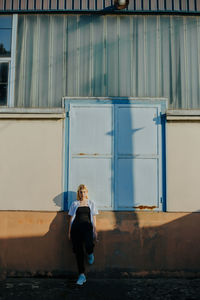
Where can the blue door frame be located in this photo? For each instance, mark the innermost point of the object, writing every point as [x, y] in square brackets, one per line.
[121, 161]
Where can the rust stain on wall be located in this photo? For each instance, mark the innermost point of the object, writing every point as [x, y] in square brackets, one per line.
[95, 154]
[145, 207]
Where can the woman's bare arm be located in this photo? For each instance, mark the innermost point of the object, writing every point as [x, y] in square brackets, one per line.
[94, 226]
[69, 230]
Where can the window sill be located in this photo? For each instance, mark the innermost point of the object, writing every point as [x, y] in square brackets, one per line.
[183, 115]
[32, 113]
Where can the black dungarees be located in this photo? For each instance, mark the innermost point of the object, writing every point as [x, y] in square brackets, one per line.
[82, 235]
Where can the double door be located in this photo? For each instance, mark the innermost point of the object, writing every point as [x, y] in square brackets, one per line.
[115, 148]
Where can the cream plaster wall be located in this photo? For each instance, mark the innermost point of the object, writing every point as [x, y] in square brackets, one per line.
[183, 166]
[31, 165]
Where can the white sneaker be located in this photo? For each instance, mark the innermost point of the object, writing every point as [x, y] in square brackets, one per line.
[81, 279]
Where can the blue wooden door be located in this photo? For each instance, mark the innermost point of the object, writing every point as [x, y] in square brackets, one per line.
[116, 150]
[138, 157]
[91, 152]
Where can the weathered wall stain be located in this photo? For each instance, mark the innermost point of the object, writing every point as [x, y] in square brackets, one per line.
[145, 207]
[82, 154]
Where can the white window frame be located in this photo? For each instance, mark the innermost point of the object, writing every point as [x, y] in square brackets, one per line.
[11, 62]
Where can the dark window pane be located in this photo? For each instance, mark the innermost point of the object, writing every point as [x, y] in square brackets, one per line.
[3, 72]
[3, 83]
[3, 94]
[5, 22]
[5, 42]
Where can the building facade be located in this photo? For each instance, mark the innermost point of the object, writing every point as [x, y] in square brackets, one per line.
[109, 97]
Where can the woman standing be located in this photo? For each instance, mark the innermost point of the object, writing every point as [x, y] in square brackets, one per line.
[82, 229]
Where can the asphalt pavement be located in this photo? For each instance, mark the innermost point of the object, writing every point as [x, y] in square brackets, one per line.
[100, 288]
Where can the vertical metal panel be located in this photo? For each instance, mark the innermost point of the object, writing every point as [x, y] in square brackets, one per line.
[57, 59]
[140, 59]
[19, 63]
[112, 56]
[31, 63]
[195, 5]
[133, 60]
[178, 81]
[84, 52]
[166, 58]
[44, 56]
[152, 56]
[43, 86]
[107, 56]
[72, 60]
[98, 42]
[192, 54]
[13, 61]
[125, 41]
[4, 4]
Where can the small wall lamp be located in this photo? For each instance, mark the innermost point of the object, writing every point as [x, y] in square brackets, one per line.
[121, 4]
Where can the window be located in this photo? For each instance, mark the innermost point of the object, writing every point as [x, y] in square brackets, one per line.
[5, 36]
[5, 58]
[4, 66]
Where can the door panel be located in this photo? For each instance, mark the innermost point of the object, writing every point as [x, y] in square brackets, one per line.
[137, 183]
[91, 152]
[137, 130]
[91, 129]
[137, 156]
[96, 174]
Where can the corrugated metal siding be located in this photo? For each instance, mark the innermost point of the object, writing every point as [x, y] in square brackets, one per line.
[139, 56]
[178, 6]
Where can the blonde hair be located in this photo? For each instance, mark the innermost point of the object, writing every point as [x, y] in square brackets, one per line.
[81, 187]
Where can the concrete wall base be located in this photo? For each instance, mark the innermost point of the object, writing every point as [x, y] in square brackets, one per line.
[130, 243]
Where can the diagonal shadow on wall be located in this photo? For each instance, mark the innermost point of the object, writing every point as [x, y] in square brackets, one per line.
[145, 243]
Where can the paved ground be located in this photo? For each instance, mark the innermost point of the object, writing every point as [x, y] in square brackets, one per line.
[106, 289]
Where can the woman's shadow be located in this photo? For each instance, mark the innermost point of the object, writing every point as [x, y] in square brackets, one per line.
[56, 240]
[53, 250]
[44, 248]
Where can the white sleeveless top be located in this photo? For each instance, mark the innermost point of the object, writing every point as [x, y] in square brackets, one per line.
[76, 204]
